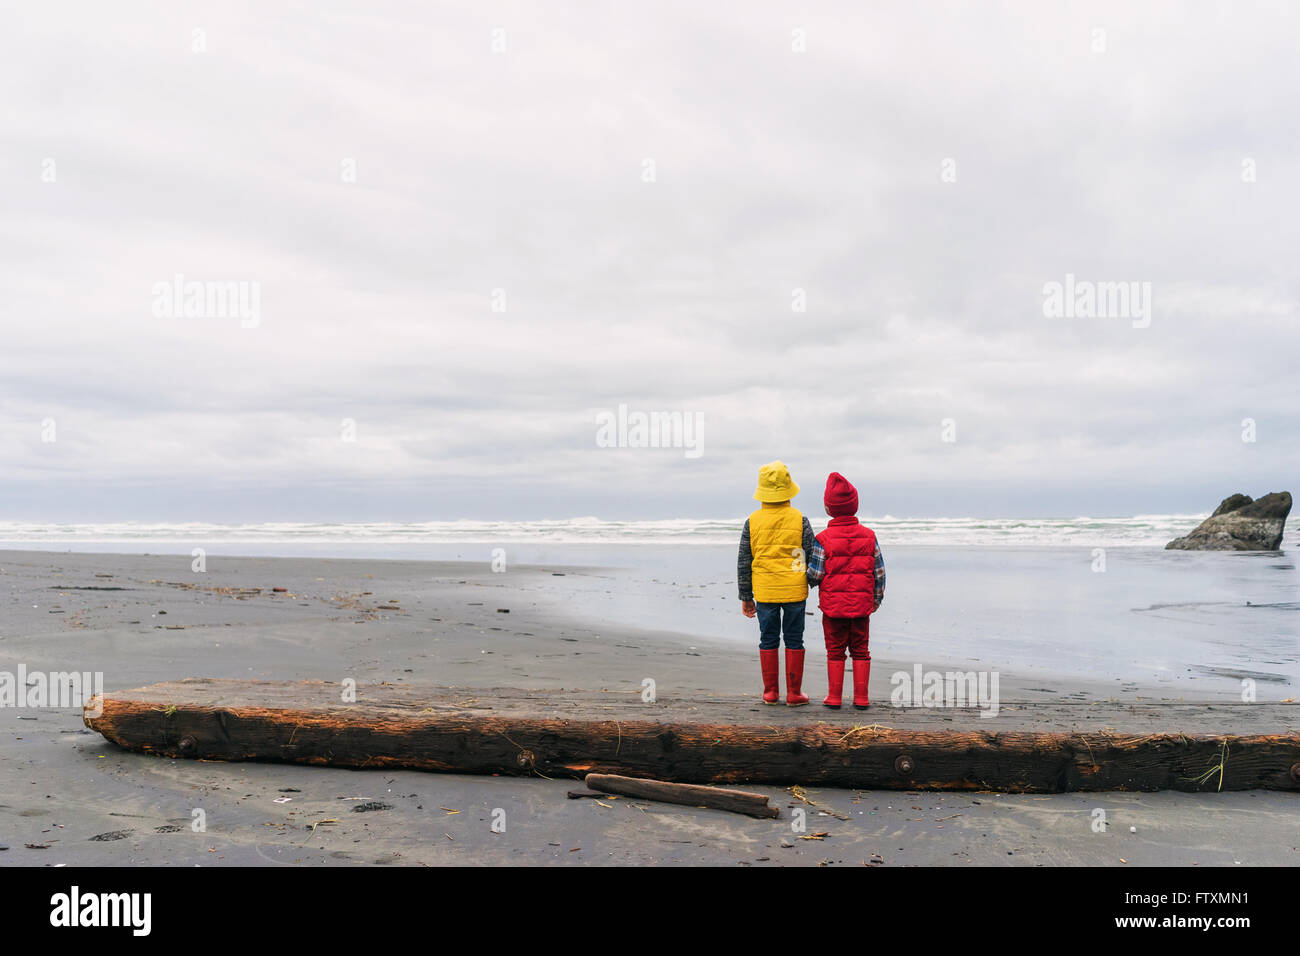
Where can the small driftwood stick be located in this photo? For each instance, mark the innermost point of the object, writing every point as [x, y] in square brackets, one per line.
[686, 794]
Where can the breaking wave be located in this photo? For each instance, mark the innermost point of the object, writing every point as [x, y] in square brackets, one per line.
[1137, 531]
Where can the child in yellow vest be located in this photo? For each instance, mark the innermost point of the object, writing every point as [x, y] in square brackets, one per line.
[771, 573]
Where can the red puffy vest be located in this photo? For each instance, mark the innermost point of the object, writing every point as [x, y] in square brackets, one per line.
[848, 586]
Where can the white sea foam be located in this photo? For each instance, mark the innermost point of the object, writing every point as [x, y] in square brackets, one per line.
[1136, 531]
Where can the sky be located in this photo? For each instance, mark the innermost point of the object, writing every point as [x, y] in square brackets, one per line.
[465, 234]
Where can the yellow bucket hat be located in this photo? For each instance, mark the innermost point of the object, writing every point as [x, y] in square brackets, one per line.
[775, 483]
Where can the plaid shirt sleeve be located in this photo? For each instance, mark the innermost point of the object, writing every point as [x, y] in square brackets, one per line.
[745, 566]
[816, 564]
[880, 578]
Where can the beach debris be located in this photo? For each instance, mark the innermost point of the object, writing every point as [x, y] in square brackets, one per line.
[685, 794]
[283, 800]
[240, 593]
[280, 590]
[801, 795]
[863, 728]
[503, 610]
[583, 794]
[110, 836]
[86, 587]
[819, 835]
[370, 805]
[1216, 768]
[38, 846]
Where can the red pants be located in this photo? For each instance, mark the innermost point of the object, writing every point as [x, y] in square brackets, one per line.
[847, 632]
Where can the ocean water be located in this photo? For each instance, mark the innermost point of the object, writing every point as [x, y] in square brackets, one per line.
[1151, 530]
[1092, 599]
[1191, 624]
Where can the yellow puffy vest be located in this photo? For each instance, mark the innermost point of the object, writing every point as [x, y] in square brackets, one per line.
[775, 540]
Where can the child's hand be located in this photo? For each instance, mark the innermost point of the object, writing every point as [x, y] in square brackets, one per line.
[748, 608]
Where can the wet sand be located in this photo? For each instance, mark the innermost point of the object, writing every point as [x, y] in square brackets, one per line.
[142, 619]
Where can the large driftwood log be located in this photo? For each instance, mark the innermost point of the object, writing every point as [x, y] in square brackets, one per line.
[430, 730]
[686, 794]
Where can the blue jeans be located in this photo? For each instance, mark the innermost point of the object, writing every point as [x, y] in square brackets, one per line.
[778, 620]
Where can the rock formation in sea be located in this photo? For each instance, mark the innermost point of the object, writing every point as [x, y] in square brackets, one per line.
[1240, 524]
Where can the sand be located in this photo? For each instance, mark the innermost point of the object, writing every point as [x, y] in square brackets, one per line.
[87, 802]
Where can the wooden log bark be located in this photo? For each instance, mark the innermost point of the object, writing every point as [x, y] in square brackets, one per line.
[686, 794]
[406, 727]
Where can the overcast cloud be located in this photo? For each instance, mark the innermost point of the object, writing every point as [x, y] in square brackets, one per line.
[524, 170]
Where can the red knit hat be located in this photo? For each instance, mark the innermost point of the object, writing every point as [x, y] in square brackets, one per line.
[841, 497]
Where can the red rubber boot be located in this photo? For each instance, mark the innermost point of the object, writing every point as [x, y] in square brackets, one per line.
[861, 675]
[793, 678]
[770, 661]
[834, 684]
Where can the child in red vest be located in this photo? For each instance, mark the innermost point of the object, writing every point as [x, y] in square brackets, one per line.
[847, 564]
